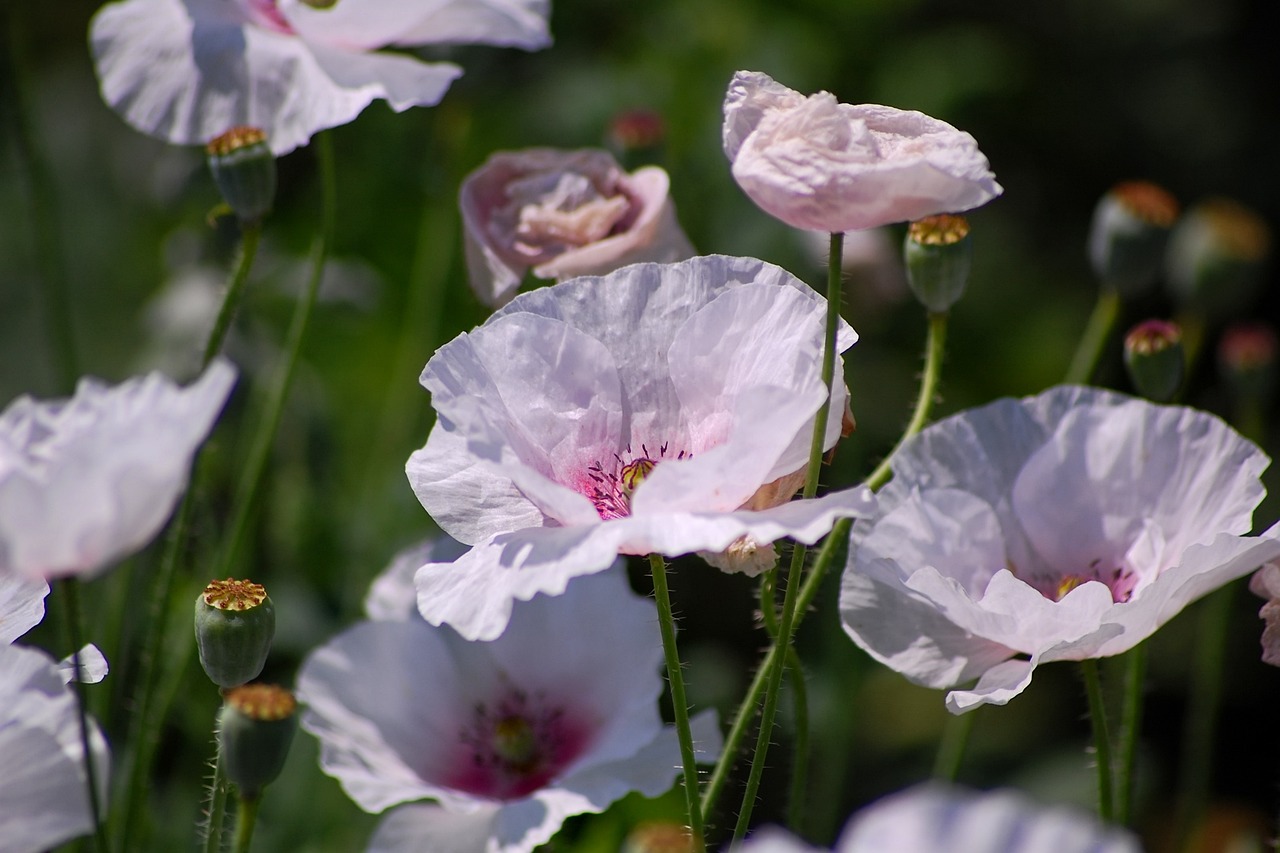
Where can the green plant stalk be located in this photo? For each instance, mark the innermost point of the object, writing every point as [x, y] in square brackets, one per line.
[786, 620]
[234, 294]
[1096, 333]
[800, 764]
[246, 819]
[1205, 695]
[679, 702]
[70, 595]
[934, 349]
[217, 805]
[1135, 668]
[264, 436]
[955, 737]
[1101, 737]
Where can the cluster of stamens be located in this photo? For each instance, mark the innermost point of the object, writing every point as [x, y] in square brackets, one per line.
[517, 746]
[1118, 579]
[611, 489]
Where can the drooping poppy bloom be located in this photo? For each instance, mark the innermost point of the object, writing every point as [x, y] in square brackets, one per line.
[565, 214]
[821, 165]
[507, 737]
[661, 409]
[89, 480]
[186, 71]
[1066, 526]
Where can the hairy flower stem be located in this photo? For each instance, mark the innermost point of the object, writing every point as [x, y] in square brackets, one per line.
[955, 737]
[800, 697]
[1094, 339]
[246, 819]
[273, 406]
[934, 349]
[217, 796]
[70, 594]
[1101, 737]
[235, 292]
[1135, 670]
[786, 619]
[679, 703]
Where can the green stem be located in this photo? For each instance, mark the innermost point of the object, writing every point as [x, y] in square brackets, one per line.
[264, 436]
[217, 805]
[679, 703]
[246, 819]
[1205, 695]
[1101, 736]
[71, 606]
[955, 737]
[235, 291]
[934, 349]
[1130, 727]
[1094, 339]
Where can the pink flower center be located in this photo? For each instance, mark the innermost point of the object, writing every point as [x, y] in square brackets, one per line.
[1121, 580]
[610, 488]
[516, 746]
[266, 14]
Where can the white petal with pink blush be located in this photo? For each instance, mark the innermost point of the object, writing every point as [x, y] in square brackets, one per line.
[1066, 526]
[643, 412]
[507, 737]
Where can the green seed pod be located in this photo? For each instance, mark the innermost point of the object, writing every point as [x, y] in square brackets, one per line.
[1154, 359]
[1128, 236]
[1216, 258]
[235, 622]
[255, 727]
[1247, 361]
[938, 254]
[244, 169]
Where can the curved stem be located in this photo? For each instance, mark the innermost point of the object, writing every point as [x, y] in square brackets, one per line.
[70, 590]
[800, 763]
[1101, 736]
[264, 437]
[1135, 668]
[935, 346]
[1094, 339]
[955, 737]
[235, 292]
[246, 819]
[679, 703]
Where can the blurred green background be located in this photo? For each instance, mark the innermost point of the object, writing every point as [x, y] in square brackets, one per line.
[1065, 99]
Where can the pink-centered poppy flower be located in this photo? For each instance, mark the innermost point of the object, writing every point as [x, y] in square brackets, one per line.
[186, 71]
[557, 717]
[1066, 526]
[661, 409]
[821, 165]
[941, 819]
[565, 214]
[84, 482]
[43, 790]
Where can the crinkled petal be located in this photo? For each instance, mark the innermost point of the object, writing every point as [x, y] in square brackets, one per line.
[92, 666]
[372, 24]
[392, 597]
[21, 605]
[186, 72]
[997, 686]
[417, 827]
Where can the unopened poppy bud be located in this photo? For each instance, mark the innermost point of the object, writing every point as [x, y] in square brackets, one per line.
[235, 623]
[255, 727]
[1216, 256]
[636, 137]
[1128, 236]
[659, 837]
[1247, 360]
[1154, 358]
[244, 169]
[938, 255]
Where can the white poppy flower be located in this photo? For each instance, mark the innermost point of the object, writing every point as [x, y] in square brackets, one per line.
[951, 820]
[565, 214]
[652, 410]
[43, 791]
[89, 480]
[1066, 526]
[508, 737]
[821, 165]
[186, 71]
[392, 596]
